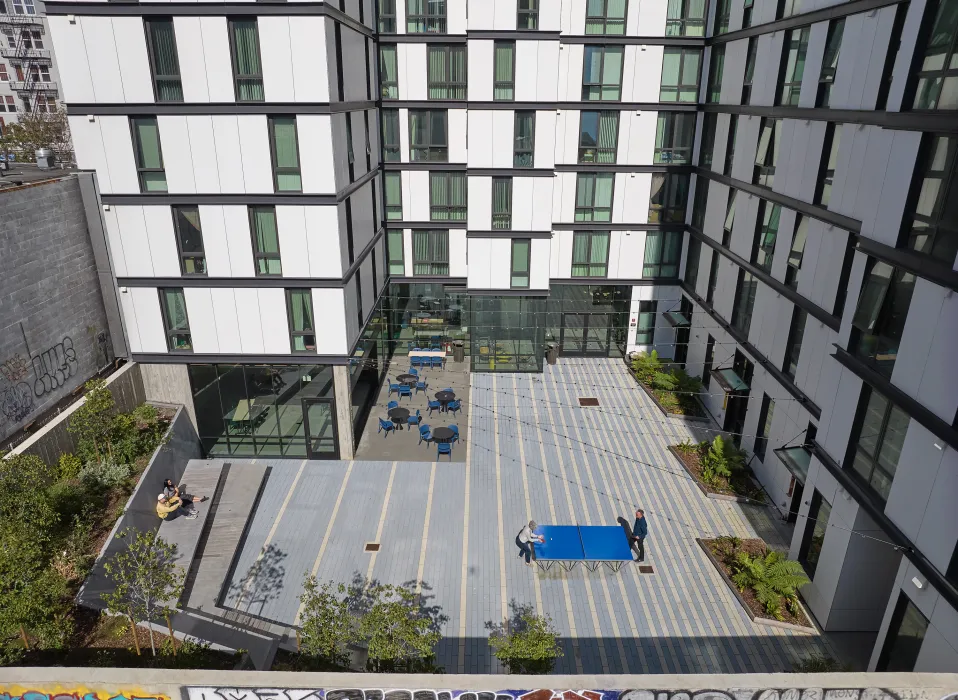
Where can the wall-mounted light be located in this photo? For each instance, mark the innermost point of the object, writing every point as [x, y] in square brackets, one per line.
[72, 19]
[90, 118]
[918, 582]
[106, 207]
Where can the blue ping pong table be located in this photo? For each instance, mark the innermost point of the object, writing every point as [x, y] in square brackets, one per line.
[593, 545]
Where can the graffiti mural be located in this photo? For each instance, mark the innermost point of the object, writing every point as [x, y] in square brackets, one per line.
[15, 369]
[54, 366]
[75, 694]
[15, 402]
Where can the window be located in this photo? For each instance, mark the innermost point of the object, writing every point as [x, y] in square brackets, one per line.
[4, 76]
[521, 253]
[826, 174]
[430, 252]
[663, 250]
[426, 16]
[393, 186]
[707, 367]
[767, 153]
[394, 253]
[427, 135]
[149, 156]
[797, 251]
[598, 137]
[501, 202]
[685, 18]
[247, 66]
[590, 253]
[669, 198]
[447, 196]
[730, 144]
[11, 107]
[744, 302]
[40, 74]
[302, 330]
[692, 262]
[747, 13]
[701, 201]
[447, 72]
[906, 633]
[749, 70]
[810, 551]
[24, 7]
[189, 240]
[525, 140]
[387, 16]
[833, 44]
[937, 78]
[793, 67]
[265, 241]
[602, 73]
[605, 16]
[713, 91]
[528, 15]
[793, 346]
[176, 324]
[891, 56]
[645, 329]
[504, 71]
[729, 218]
[709, 123]
[713, 277]
[680, 75]
[391, 152]
[161, 42]
[31, 39]
[787, 8]
[284, 149]
[931, 226]
[389, 72]
[674, 132]
[879, 320]
[764, 426]
[46, 104]
[765, 234]
[723, 12]
[593, 197]
[878, 436]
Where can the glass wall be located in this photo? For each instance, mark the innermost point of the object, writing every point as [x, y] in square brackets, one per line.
[588, 319]
[507, 333]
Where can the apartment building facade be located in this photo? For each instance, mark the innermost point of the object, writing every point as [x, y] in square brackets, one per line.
[28, 71]
[296, 191]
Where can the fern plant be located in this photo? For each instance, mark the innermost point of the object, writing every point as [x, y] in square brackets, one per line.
[715, 465]
[664, 381]
[773, 578]
[646, 366]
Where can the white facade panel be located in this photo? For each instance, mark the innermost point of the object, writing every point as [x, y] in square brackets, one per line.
[248, 321]
[275, 320]
[216, 49]
[163, 250]
[215, 241]
[416, 190]
[413, 71]
[239, 240]
[457, 135]
[118, 149]
[480, 203]
[190, 52]
[202, 143]
[307, 38]
[89, 150]
[457, 253]
[130, 323]
[651, 18]
[315, 135]
[293, 247]
[322, 234]
[254, 144]
[229, 159]
[149, 321]
[202, 318]
[75, 78]
[480, 138]
[503, 137]
[276, 58]
[114, 242]
[480, 263]
[542, 203]
[527, 71]
[545, 139]
[539, 257]
[102, 58]
[134, 63]
[178, 154]
[134, 239]
[479, 68]
[227, 322]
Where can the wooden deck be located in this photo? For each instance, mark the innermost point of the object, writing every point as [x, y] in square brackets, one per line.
[199, 479]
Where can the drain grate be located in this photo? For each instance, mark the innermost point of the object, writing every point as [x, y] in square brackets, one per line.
[646, 570]
[372, 547]
[588, 401]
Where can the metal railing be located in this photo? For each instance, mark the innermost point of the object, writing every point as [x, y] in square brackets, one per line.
[32, 86]
[17, 52]
[35, 20]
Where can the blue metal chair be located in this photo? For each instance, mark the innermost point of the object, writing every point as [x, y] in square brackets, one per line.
[413, 371]
[405, 390]
[385, 426]
[414, 420]
[391, 405]
[449, 390]
[392, 388]
[436, 362]
[415, 360]
[417, 349]
[424, 433]
[421, 386]
[434, 406]
[455, 433]
[454, 406]
[443, 448]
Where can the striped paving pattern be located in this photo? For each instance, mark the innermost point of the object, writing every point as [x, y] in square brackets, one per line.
[448, 531]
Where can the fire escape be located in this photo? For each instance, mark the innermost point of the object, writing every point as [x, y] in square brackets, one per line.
[30, 66]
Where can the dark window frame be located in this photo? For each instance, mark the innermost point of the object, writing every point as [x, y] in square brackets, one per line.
[499, 84]
[928, 99]
[709, 359]
[519, 155]
[700, 201]
[603, 22]
[743, 305]
[833, 50]
[730, 144]
[692, 256]
[707, 147]
[170, 333]
[765, 416]
[184, 256]
[670, 254]
[392, 152]
[750, 58]
[793, 344]
[602, 86]
[671, 191]
[527, 273]
[729, 221]
[601, 115]
[234, 59]
[437, 267]
[148, 23]
[672, 132]
[796, 252]
[589, 265]
[257, 254]
[723, 14]
[451, 212]
[939, 239]
[285, 170]
[142, 170]
[808, 536]
[452, 89]
[681, 87]
[387, 16]
[300, 333]
[531, 14]
[645, 323]
[501, 220]
[878, 327]
[713, 91]
[591, 210]
[873, 459]
[680, 25]
[885, 658]
[430, 147]
[392, 208]
[391, 261]
[426, 22]
[763, 246]
[765, 163]
[826, 174]
[713, 277]
[389, 89]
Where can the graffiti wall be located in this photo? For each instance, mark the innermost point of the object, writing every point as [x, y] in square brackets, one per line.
[76, 694]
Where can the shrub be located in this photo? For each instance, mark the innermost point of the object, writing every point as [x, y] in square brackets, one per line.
[69, 466]
[646, 366]
[104, 474]
[136, 433]
[819, 664]
[73, 561]
[773, 578]
[527, 644]
[721, 460]
[68, 499]
[326, 624]
[91, 423]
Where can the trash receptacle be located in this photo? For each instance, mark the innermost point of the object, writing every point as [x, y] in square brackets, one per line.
[458, 351]
[552, 354]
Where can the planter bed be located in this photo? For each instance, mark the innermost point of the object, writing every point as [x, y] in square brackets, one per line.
[699, 417]
[741, 490]
[753, 608]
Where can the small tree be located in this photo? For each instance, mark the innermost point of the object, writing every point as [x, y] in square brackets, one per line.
[30, 591]
[773, 578]
[92, 422]
[526, 644]
[33, 131]
[147, 582]
[398, 635]
[24, 480]
[326, 624]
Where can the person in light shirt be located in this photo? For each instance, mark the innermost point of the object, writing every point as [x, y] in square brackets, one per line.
[524, 541]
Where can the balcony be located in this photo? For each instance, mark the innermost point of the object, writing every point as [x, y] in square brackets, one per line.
[21, 20]
[32, 86]
[21, 53]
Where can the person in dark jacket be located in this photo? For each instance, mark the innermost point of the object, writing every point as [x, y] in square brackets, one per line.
[640, 530]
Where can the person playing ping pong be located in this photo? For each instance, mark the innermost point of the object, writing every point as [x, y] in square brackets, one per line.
[524, 539]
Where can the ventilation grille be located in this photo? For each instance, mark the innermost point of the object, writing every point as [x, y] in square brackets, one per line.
[372, 547]
[588, 401]
[646, 570]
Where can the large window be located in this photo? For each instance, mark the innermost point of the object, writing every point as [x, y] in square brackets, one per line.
[674, 133]
[605, 16]
[701, 201]
[598, 137]
[826, 173]
[879, 320]
[766, 155]
[749, 70]
[430, 252]
[387, 16]
[502, 202]
[393, 187]
[931, 223]
[247, 66]
[906, 633]
[793, 346]
[149, 155]
[833, 45]
[447, 73]
[793, 67]
[729, 221]
[765, 418]
[590, 253]
[663, 250]
[504, 71]
[749, 5]
[284, 150]
[685, 18]
[713, 90]
[669, 198]
[265, 241]
[394, 252]
[730, 144]
[877, 439]
[713, 277]
[427, 135]
[709, 124]
[766, 231]
[521, 255]
[161, 42]
[527, 16]
[176, 324]
[937, 77]
[816, 526]
[447, 196]
[189, 240]
[680, 75]
[391, 147]
[602, 73]
[692, 262]
[426, 16]
[24, 7]
[645, 327]
[389, 72]
[723, 13]
[523, 155]
[593, 197]
[797, 252]
[302, 330]
[744, 302]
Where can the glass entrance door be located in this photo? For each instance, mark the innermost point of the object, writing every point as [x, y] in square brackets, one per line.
[321, 440]
[585, 334]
